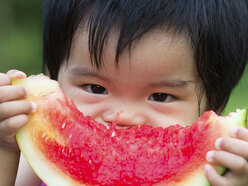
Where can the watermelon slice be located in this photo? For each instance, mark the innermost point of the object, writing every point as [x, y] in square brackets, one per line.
[64, 147]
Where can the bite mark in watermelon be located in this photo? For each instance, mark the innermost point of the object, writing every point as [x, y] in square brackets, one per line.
[64, 147]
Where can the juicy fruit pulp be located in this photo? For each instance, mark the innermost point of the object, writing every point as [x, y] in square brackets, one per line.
[66, 148]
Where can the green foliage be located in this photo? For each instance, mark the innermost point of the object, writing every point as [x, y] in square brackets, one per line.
[21, 44]
[239, 96]
[21, 35]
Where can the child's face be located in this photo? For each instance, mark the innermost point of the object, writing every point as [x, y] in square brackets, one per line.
[156, 84]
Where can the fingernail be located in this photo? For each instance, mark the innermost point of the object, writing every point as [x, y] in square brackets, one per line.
[208, 168]
[11, 71]
[26, 90]
[34, 107]
[233, 131]
[217, 143]
[17, 74]
[210, 156]
[14, 73]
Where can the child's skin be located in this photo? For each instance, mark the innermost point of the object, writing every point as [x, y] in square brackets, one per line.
[150, 86]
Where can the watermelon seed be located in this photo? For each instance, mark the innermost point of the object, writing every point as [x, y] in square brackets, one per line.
[70, 136]
[89, 161]
[63, 125]
[63, 150]
[69, 151]
[43, 135]
[81, 155]
[46, 139]
[113, 134]
[108, 127]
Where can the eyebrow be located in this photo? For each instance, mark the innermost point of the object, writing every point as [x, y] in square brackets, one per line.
[84, 71]
[174, 83]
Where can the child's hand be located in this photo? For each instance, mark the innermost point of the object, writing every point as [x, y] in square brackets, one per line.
[13, 113]
[233, 154]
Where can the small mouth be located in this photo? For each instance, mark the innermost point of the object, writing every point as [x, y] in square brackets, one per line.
[118, 126]
[122, 127]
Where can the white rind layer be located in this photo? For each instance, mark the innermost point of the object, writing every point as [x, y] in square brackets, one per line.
[51, 175]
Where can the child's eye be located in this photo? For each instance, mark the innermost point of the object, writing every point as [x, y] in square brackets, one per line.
[160, 97]
[95, 89]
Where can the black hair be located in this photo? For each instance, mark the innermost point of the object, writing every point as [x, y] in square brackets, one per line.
[217, 29]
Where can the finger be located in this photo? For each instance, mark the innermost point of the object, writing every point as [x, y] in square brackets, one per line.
[233, 145]
[4, 79]
[9, 143]
[240, 133]
[214, 177]
[16, 74]
[10, 92]
[231, 161]
[13, 108]
[8, 129]
[11, 125]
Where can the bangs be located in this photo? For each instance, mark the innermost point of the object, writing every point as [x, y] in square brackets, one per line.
[131, 20]
[128, 18]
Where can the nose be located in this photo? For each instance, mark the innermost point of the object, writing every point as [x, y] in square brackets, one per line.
[124, 117]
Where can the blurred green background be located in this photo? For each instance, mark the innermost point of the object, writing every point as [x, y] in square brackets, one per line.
[21, 35]
[21, 44]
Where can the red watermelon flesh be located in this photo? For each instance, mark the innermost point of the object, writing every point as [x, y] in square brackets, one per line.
[64, 147]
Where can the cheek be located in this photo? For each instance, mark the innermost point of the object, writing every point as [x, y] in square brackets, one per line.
[83, 97]
[92, 110]
[88, 104]
[175, 113]
[203, 103]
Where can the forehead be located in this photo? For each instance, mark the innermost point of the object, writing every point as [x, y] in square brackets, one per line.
[154, 50]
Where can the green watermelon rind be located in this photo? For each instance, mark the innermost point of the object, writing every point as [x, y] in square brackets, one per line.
[242, 117]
